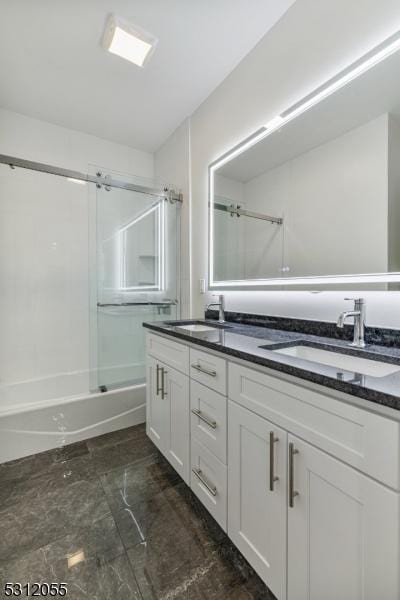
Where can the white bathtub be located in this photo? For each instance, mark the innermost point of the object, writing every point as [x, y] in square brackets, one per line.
[41, 425]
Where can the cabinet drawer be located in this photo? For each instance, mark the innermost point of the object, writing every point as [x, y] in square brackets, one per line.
[172, 353]
[209, 481]
[208, 418]
[208, 370]
[367, 441]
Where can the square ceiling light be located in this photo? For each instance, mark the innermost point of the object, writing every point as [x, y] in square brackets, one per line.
[128, 41]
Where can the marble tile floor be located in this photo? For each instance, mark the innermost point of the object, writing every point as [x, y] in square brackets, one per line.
[112, 519]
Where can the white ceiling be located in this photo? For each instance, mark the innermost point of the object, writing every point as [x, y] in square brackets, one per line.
[52, 65]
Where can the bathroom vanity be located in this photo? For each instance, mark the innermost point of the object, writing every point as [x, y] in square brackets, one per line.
[297, 461]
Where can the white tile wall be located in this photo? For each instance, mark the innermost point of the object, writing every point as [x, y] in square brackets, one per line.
[44, 261]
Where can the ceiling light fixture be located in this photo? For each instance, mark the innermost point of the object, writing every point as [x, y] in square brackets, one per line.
[128, 41]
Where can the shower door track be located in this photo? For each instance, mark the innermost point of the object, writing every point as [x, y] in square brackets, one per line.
[99, 179]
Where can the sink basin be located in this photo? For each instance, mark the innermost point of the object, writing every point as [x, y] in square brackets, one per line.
[197, 328]
[356, 364]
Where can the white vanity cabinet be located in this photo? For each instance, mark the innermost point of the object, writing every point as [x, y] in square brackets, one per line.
[340, 503]
[167, 405]
[306, 484]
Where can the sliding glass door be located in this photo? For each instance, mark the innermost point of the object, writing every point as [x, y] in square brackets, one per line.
[135, 278]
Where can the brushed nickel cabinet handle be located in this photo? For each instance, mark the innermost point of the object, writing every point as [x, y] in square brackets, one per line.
[204, 370]
[292, 492]
[210, 487]
[163, 392]
[272, 478]
[158, 389]
[210, 422]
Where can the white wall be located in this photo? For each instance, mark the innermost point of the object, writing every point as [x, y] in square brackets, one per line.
[313, 41]
[40, 141]
[44, 258]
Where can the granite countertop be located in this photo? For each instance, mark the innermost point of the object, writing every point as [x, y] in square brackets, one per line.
[243, 341]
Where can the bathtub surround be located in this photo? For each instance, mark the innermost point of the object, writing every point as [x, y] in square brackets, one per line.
[120, 525]
[45, 304]
[46, 349]
[53, 423]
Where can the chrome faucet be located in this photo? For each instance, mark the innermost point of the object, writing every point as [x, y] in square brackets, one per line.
[221, 306]
[359, 321]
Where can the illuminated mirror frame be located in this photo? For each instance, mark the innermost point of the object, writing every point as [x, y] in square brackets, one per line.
[376, 55]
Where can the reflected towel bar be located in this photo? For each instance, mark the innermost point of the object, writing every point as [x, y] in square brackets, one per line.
[106, 304]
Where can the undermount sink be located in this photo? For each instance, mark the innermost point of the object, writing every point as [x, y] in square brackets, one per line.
[197, 328]
[356, 364]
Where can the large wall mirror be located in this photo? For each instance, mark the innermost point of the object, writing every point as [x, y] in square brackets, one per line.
[314, 197]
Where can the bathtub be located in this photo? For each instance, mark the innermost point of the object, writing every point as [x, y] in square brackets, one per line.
[28, 428]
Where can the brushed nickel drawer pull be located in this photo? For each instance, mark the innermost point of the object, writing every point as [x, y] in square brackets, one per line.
[210, 422]
[292, 492]
[158, 388]
[211, 488]
[272, 478]
[163, 392]
[204, 370]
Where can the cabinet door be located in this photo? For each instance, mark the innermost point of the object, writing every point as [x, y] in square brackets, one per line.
[257, 514]
[157, 408]
[176, 397]
[343, 530]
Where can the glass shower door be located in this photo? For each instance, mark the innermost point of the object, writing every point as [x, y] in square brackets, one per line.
[136, 253]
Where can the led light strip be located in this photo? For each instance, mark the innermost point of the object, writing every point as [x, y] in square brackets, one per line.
[320, 280]
[372, 58]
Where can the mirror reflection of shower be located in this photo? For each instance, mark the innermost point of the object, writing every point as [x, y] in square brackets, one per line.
[134, 258]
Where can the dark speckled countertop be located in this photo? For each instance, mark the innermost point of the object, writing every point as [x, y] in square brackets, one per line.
[243, 341]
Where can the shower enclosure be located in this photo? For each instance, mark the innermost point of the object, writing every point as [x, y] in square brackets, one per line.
[136, 279]
[85, 259]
